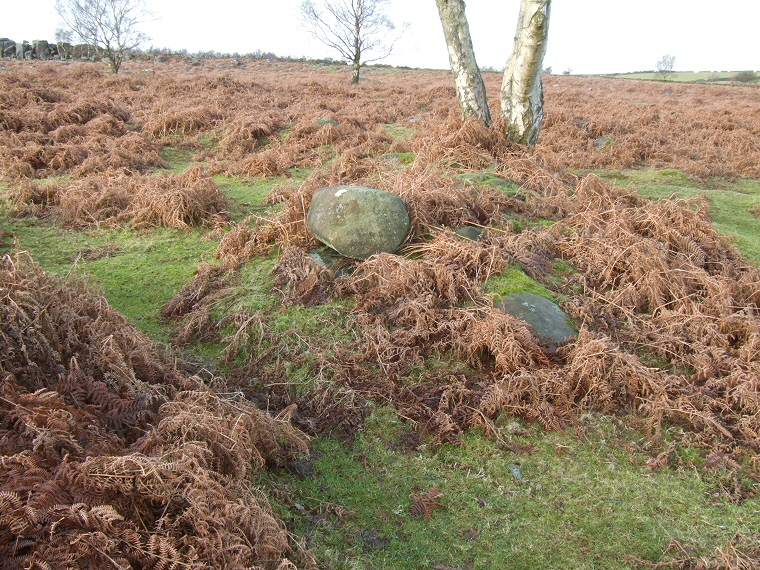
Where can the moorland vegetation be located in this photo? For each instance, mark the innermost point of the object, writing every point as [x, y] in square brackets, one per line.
[175, 363]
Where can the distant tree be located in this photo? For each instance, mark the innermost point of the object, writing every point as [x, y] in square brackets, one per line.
[110, 25]
[665, 66]
[568, 71]
[64, 35]
[746, 77]
[548, 69]
[358, 30]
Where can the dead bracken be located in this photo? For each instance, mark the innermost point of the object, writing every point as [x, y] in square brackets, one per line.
[100, 431]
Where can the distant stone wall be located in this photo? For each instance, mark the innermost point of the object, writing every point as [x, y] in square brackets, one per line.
[44, 50]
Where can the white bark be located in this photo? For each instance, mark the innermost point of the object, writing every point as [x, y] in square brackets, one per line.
[522, 94]
[471, 90]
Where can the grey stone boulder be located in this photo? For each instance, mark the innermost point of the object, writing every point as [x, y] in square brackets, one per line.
[40, 49]
[357, 221]
[546, 320]
[7, 47]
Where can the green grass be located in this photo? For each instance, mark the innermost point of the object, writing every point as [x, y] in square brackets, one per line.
[730, 202]
[149, 270]
[490, 179]
[137, 271]
[577, 500]
[178, 159]
[398, 132]
[251, 191]
[290, 340]
[399, 158]
[681, 76]
[246, 195]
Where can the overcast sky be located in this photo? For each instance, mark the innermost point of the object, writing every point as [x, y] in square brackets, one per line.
[585, 36]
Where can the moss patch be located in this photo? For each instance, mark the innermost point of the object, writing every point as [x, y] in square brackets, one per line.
[514, 280]
[490, 179]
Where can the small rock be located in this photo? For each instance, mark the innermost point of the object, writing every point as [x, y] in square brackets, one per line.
[328, 258]
[544, 317]
[321, 121]
[516, 470]
[603, 142]
[469, 232]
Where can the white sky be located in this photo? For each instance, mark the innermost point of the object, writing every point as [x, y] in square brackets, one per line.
[587, 36]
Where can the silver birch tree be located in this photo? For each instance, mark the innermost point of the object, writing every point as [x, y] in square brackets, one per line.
[471, 91]
[522, 93]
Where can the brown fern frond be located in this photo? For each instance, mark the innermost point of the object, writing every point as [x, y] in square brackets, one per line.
[423, 505]
[300, 279]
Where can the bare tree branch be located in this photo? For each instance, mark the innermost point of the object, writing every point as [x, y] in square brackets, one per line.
[111, 25]
[356, 29]
[665, 65]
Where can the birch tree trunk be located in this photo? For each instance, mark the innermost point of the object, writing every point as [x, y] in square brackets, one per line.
[522, 94]
[471, 91]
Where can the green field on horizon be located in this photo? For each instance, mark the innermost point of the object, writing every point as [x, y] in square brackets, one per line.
[720, 77]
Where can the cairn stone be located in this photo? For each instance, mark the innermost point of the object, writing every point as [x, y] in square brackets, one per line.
[357, 221]
[546, 320]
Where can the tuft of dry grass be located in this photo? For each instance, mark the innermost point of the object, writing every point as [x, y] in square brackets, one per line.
[169, 119]
[171, 200]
